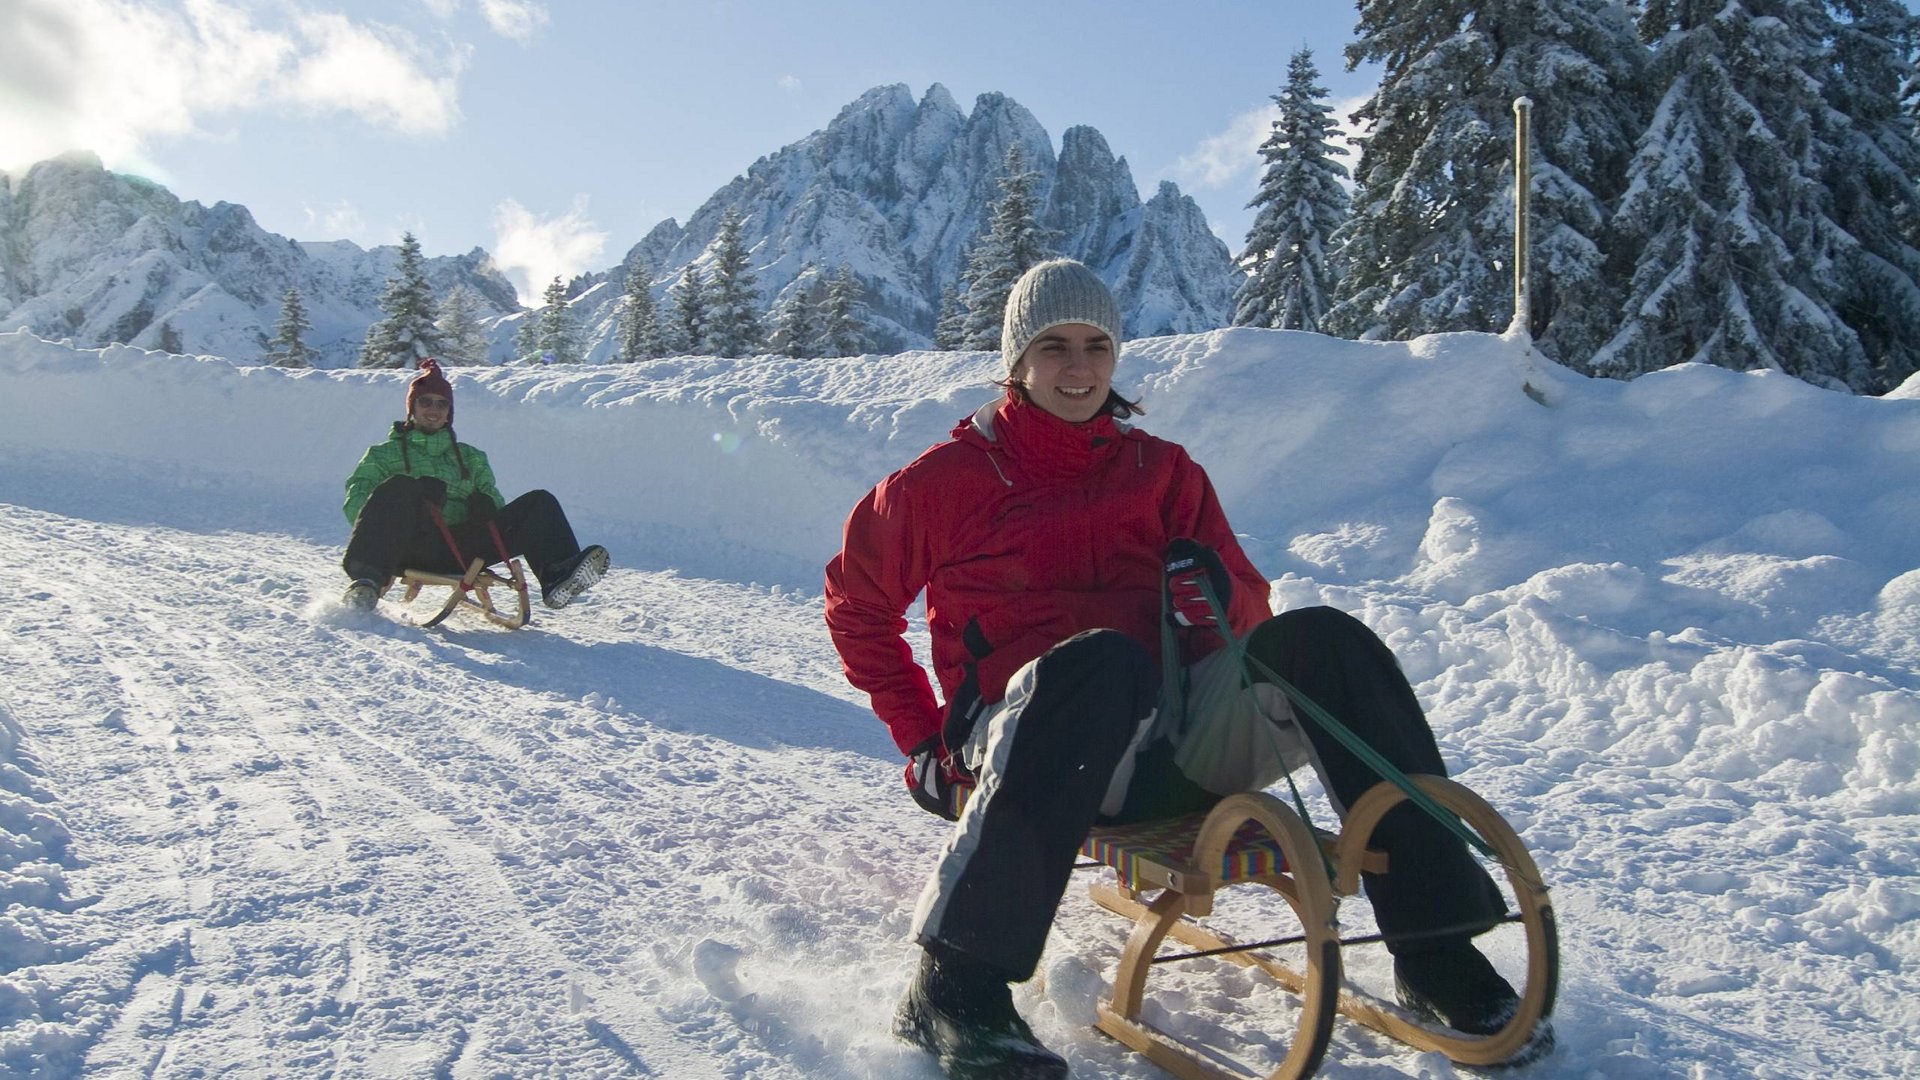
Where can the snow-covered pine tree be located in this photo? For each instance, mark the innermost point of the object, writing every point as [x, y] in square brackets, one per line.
[797, 322]
[690, 311]
[170, 339]
[840, 318]
[950, 332]
[1300, 204]
[557, 337]
[407, 335]
[463, 337]
[1012, 243]
[1729, 216]
[1429, 245]
[1872, 174]
[735, 328]
[640, 336]
[289, 346]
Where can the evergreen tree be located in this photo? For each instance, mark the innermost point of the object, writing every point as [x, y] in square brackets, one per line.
[170, 339]
[950, 332]
[1429, 246]
[640, 337]
[735, 328]
[557, 337]
[526, 339]
[1872, 173]
[839, 316]
[407, 335]
[463, 337]
[797, 329]
[1012, 243]
[1300, 205]
[690, 311]
[289, 347]
[1744, 255]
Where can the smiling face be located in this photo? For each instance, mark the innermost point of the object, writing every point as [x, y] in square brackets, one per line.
[430, 412]
[1068, 370]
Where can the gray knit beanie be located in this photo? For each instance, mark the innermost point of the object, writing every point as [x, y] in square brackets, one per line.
[1052, 294]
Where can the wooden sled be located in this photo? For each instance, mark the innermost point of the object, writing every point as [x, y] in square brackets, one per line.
[478, 581]
[1255, 839]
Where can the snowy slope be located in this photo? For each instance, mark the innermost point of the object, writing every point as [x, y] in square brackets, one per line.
[1670, 627]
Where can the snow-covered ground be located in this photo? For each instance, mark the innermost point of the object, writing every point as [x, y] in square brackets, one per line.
[1671, 628]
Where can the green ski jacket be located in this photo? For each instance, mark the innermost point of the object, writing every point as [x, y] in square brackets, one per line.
[416, 453]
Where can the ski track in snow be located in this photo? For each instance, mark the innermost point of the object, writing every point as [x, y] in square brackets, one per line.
[347, 846]
[245, 832]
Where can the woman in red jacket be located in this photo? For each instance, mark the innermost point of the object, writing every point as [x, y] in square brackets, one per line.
[1040, 534]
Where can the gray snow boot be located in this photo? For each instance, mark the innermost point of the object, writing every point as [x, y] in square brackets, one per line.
[362, 595]
[961, 1011]
[573, 577]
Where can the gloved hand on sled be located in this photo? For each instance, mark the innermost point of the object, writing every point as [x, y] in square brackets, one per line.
[480, 506]
[938, 780]
[1188, 564]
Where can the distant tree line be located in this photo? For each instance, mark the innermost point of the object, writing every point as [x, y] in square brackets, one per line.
[1731, 182]
[716, 310]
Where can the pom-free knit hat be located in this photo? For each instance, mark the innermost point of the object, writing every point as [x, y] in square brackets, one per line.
[430, 381]
[1052, 294]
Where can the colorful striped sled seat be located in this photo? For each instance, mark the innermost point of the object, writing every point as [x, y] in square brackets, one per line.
[1159, 854]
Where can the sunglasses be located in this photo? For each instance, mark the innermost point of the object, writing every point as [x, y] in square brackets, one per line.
[427, 401]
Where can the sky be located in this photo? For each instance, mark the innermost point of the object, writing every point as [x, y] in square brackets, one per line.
[556, 134]
[1668, 628]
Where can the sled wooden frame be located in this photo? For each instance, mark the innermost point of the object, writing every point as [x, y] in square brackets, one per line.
[479, 579]
[1241, 842]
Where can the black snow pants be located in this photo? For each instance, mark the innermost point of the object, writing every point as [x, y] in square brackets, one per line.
[395, 531]
[1072, 716]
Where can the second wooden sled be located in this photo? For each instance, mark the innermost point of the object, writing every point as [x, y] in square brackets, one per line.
[1255, 839]
[474, 590]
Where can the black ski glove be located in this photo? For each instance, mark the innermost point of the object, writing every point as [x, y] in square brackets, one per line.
[937, 780]
[1188, 563]
[480, 506]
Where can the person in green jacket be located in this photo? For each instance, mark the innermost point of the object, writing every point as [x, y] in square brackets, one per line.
[422, 500]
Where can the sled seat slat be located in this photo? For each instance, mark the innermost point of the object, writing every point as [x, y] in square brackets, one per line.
[1159, 854]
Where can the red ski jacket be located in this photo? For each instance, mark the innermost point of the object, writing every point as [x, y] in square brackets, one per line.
[1024, 530]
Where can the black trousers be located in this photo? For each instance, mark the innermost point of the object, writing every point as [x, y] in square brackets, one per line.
[1068, 720]
[395, 531]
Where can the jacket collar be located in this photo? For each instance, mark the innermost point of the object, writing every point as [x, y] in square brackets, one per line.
[1046, 447]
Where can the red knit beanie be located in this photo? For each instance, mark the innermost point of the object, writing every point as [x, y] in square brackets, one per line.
[430, 381]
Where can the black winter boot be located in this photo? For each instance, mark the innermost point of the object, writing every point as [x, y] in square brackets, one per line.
[560, 584]
[961, 1011]
[1451, 982]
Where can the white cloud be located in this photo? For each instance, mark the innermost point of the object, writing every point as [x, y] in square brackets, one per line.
[1226, 158]
[517, 19]
[113, 75]
[533, 250]
[441, 9]
[341, 221]
[790, 83]
[375, 73]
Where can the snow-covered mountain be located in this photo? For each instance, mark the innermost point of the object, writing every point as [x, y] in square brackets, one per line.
[102, 257]
[897, 189]
[893, 188]
[1669, 627]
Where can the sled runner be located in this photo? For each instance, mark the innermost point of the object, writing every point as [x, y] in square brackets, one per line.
[479, 579]
[1255, 839]
[474, 590]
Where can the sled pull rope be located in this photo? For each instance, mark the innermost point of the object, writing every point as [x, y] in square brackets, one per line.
[1340, 732]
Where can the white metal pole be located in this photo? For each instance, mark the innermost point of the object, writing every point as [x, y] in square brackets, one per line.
[1522, 185]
